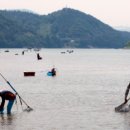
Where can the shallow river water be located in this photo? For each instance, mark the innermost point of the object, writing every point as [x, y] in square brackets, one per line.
[89, 84]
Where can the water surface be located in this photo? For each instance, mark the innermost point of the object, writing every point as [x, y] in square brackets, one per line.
[88, 85]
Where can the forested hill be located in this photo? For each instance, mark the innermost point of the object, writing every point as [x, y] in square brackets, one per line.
[63, 28]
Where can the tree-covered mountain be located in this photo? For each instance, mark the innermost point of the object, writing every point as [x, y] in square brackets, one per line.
[63, 28]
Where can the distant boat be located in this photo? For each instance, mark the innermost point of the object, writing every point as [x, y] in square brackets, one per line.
[63, 52]
[29, 73]
[70, 51]
[6, 50]
[36, 49]
[51, 73]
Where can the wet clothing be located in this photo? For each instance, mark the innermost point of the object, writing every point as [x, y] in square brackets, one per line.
[7, 95]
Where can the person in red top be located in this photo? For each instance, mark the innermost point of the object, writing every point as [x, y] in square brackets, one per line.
[7, 95]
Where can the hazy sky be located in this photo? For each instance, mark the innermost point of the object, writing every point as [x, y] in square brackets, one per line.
[112, 12]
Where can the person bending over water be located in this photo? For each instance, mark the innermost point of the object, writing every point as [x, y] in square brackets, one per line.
[7, 95]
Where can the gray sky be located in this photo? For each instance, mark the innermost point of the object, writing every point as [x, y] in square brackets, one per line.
[112, 12]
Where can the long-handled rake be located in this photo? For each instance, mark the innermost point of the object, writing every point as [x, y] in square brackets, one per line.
[20, 98]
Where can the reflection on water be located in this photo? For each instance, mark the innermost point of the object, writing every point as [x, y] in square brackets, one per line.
[6, 119]
[126, 121]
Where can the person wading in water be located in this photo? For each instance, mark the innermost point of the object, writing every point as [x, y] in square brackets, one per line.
[7, 95]
[53, 71]
[39, 57]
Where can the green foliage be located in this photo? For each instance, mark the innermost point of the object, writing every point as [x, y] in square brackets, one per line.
[63, 28]
[127, 45]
